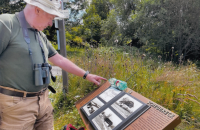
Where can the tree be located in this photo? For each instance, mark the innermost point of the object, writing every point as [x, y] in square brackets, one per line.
[92, 25]
[102, 8]
[76, 10]
[109, 29]
[124, 9]
[11, 7]
[169, 26]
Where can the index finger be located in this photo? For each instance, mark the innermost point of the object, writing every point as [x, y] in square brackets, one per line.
[101, 78]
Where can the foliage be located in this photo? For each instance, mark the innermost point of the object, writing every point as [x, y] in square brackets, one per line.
[109, 29]
[174, 87]
[165, 27]
[76, 10]
[124, 9]
[169, 24]
[102, 7]
[74, 36]
[92, 24]
[11, 7]
[89, 32]
[51, 34]
[96, 12]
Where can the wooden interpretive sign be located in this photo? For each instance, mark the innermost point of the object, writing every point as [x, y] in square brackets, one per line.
[110, 113]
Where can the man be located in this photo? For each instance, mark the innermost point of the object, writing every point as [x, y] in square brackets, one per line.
[24, 71]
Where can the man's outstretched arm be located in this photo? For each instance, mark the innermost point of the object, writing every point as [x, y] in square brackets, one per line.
[70, 67]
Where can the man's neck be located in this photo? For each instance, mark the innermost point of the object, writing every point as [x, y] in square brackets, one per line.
[28, 17]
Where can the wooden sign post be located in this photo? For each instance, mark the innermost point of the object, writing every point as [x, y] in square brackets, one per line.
[155, 118]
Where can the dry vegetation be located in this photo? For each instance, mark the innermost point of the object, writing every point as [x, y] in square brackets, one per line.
[175, 87]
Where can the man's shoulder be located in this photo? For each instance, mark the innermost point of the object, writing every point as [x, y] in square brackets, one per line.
[8, 19]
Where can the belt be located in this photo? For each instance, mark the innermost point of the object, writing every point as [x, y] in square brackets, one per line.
[21, 94]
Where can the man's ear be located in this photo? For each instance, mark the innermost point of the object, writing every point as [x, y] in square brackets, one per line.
[37, 11]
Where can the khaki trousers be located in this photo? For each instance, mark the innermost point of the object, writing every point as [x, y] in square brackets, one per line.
[29, 113]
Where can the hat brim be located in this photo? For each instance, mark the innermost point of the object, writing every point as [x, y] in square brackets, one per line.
[46, 9]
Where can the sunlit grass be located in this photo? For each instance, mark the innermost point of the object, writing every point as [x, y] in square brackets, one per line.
[175, 87]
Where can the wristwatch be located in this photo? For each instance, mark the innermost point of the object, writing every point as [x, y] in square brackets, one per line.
[85, 75]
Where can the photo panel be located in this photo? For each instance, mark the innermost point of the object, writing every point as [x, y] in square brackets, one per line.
[109, 94]
[106, 120]
[126, 105]
[92, 106]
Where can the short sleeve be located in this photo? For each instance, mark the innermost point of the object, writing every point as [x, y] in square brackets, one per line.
[5, 34]
[50, 48]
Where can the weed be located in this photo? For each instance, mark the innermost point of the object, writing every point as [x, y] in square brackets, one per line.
[173, 86]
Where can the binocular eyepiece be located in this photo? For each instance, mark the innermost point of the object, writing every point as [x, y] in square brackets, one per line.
[42, 74]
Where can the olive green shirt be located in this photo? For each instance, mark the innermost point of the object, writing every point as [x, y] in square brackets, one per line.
[16, 69]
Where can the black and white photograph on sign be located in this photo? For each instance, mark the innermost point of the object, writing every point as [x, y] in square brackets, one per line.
[126, 105]
[92, 106]
[106, 120]
[109, 94]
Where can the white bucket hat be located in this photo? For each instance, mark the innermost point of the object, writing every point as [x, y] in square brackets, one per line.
[49, 6]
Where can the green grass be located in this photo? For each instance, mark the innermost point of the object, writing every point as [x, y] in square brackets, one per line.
[175, 87]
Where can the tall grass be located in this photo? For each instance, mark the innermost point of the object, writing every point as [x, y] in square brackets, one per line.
[175, 87]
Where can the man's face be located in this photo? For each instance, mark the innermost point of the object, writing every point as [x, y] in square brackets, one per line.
[43, 20]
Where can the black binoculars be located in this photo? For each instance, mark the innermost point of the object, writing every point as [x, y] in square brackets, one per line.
[42, 74]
